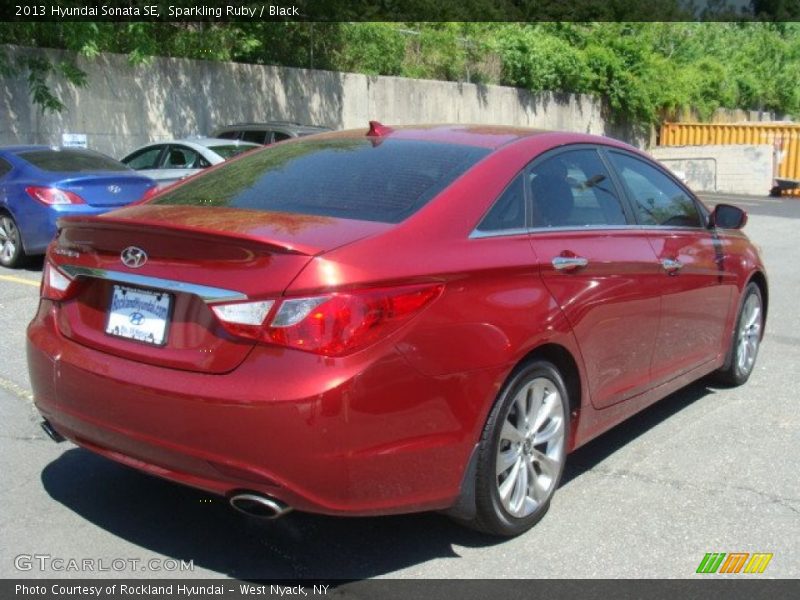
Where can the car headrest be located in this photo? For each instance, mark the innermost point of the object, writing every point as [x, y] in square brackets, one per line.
[553, 200]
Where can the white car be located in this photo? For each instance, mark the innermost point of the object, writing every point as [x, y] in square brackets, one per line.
[170, 161]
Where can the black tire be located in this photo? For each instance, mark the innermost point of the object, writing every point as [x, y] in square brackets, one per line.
[494, 516]
[11, 252]
[746, 339]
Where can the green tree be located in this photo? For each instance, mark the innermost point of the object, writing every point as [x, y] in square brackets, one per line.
[643, 71]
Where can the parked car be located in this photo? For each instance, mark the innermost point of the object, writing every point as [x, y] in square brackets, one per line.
[267, 133]
[416, 319]
[168, 162]
[39, 184]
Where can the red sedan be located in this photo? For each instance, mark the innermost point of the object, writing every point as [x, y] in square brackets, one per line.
[414, 319]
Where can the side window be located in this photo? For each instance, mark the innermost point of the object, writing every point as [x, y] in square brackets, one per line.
[4, 168]
[574, 188]
[508, 211]
[657, 199]
[256, 137]
[181, 157]
[280, 136]
[228, 135]
[144, 159]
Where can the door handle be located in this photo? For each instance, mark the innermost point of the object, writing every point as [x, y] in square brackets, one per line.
[569, 263]
[671, 266]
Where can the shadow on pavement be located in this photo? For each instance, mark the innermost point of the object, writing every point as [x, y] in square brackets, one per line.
[33, 264]
[183, 523]
[588, 456]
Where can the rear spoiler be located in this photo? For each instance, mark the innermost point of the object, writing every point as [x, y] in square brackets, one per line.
[108, 223]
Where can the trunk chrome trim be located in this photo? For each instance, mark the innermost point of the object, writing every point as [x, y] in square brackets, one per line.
[207, 293]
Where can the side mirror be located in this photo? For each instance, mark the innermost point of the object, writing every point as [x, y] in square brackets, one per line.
[726, 216]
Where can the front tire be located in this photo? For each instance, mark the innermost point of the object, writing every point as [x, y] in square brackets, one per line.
[746, 339]
[11, 252]
[522, 451]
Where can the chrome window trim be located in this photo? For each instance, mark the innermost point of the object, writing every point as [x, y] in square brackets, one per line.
[476, 235]
[658, 228]
[617, 227]
[207, 293]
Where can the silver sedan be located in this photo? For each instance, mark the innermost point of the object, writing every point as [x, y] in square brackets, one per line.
[172, 160]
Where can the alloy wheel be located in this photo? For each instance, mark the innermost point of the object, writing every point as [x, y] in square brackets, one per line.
[749, 334]
[530, 448]
[9, 240]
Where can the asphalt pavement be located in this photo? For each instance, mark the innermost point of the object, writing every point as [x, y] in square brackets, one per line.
[705, 470]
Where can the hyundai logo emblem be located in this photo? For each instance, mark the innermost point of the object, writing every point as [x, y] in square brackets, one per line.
[136, 318]
[133, 257]
[114, 189]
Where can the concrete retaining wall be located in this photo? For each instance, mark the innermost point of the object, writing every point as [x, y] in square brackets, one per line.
[733, 169]
[125, 106]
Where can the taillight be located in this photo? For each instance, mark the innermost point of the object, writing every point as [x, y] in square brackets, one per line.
[151, 191]
[331, 324]
[242, 317]
[51, 195]
[55, 284]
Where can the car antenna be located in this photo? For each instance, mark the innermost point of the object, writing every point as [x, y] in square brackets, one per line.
[378, 129]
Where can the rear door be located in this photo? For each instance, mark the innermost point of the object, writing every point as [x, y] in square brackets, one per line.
[146, 159]
[696, 293]
[257, 136]
[149, 163]
[602, 271]
[178, 162]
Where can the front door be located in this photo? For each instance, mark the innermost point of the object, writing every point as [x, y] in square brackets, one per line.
[695, 291]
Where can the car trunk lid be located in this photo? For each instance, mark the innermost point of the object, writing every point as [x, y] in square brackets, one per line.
[108, 189]
[195, 257]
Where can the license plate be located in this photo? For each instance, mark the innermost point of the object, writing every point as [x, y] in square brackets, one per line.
[140, 315]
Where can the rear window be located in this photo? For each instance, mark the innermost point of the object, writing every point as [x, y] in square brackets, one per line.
[372, 180]
[72, 159]
[227, 152]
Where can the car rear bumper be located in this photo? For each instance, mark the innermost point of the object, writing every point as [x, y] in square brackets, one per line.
[364, 435]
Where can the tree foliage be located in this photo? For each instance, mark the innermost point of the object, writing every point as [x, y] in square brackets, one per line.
[644, 72]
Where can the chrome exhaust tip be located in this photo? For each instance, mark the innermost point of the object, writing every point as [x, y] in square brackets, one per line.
[52, 433]
[262, 507]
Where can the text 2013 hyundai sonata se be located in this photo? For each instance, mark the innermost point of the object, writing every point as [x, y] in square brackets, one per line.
[414, 319]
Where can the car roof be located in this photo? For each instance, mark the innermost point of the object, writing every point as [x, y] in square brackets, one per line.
[210, 142]
[483, 136]
[26, 148]
[272, 125]
[205, 142]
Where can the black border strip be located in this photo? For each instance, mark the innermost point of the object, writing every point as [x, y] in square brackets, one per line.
[743, 587]
[401, 10]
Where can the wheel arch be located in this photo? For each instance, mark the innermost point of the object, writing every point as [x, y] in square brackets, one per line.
[464, 506]
[761, 281]
[566, 364]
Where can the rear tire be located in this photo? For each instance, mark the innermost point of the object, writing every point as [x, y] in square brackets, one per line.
[522, 451]
[746, 339]
[11, 251]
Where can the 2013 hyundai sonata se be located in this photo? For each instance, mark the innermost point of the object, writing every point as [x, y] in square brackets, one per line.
[410, 319]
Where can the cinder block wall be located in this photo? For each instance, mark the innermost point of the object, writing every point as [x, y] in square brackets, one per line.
[731, 169]
[125, 106]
